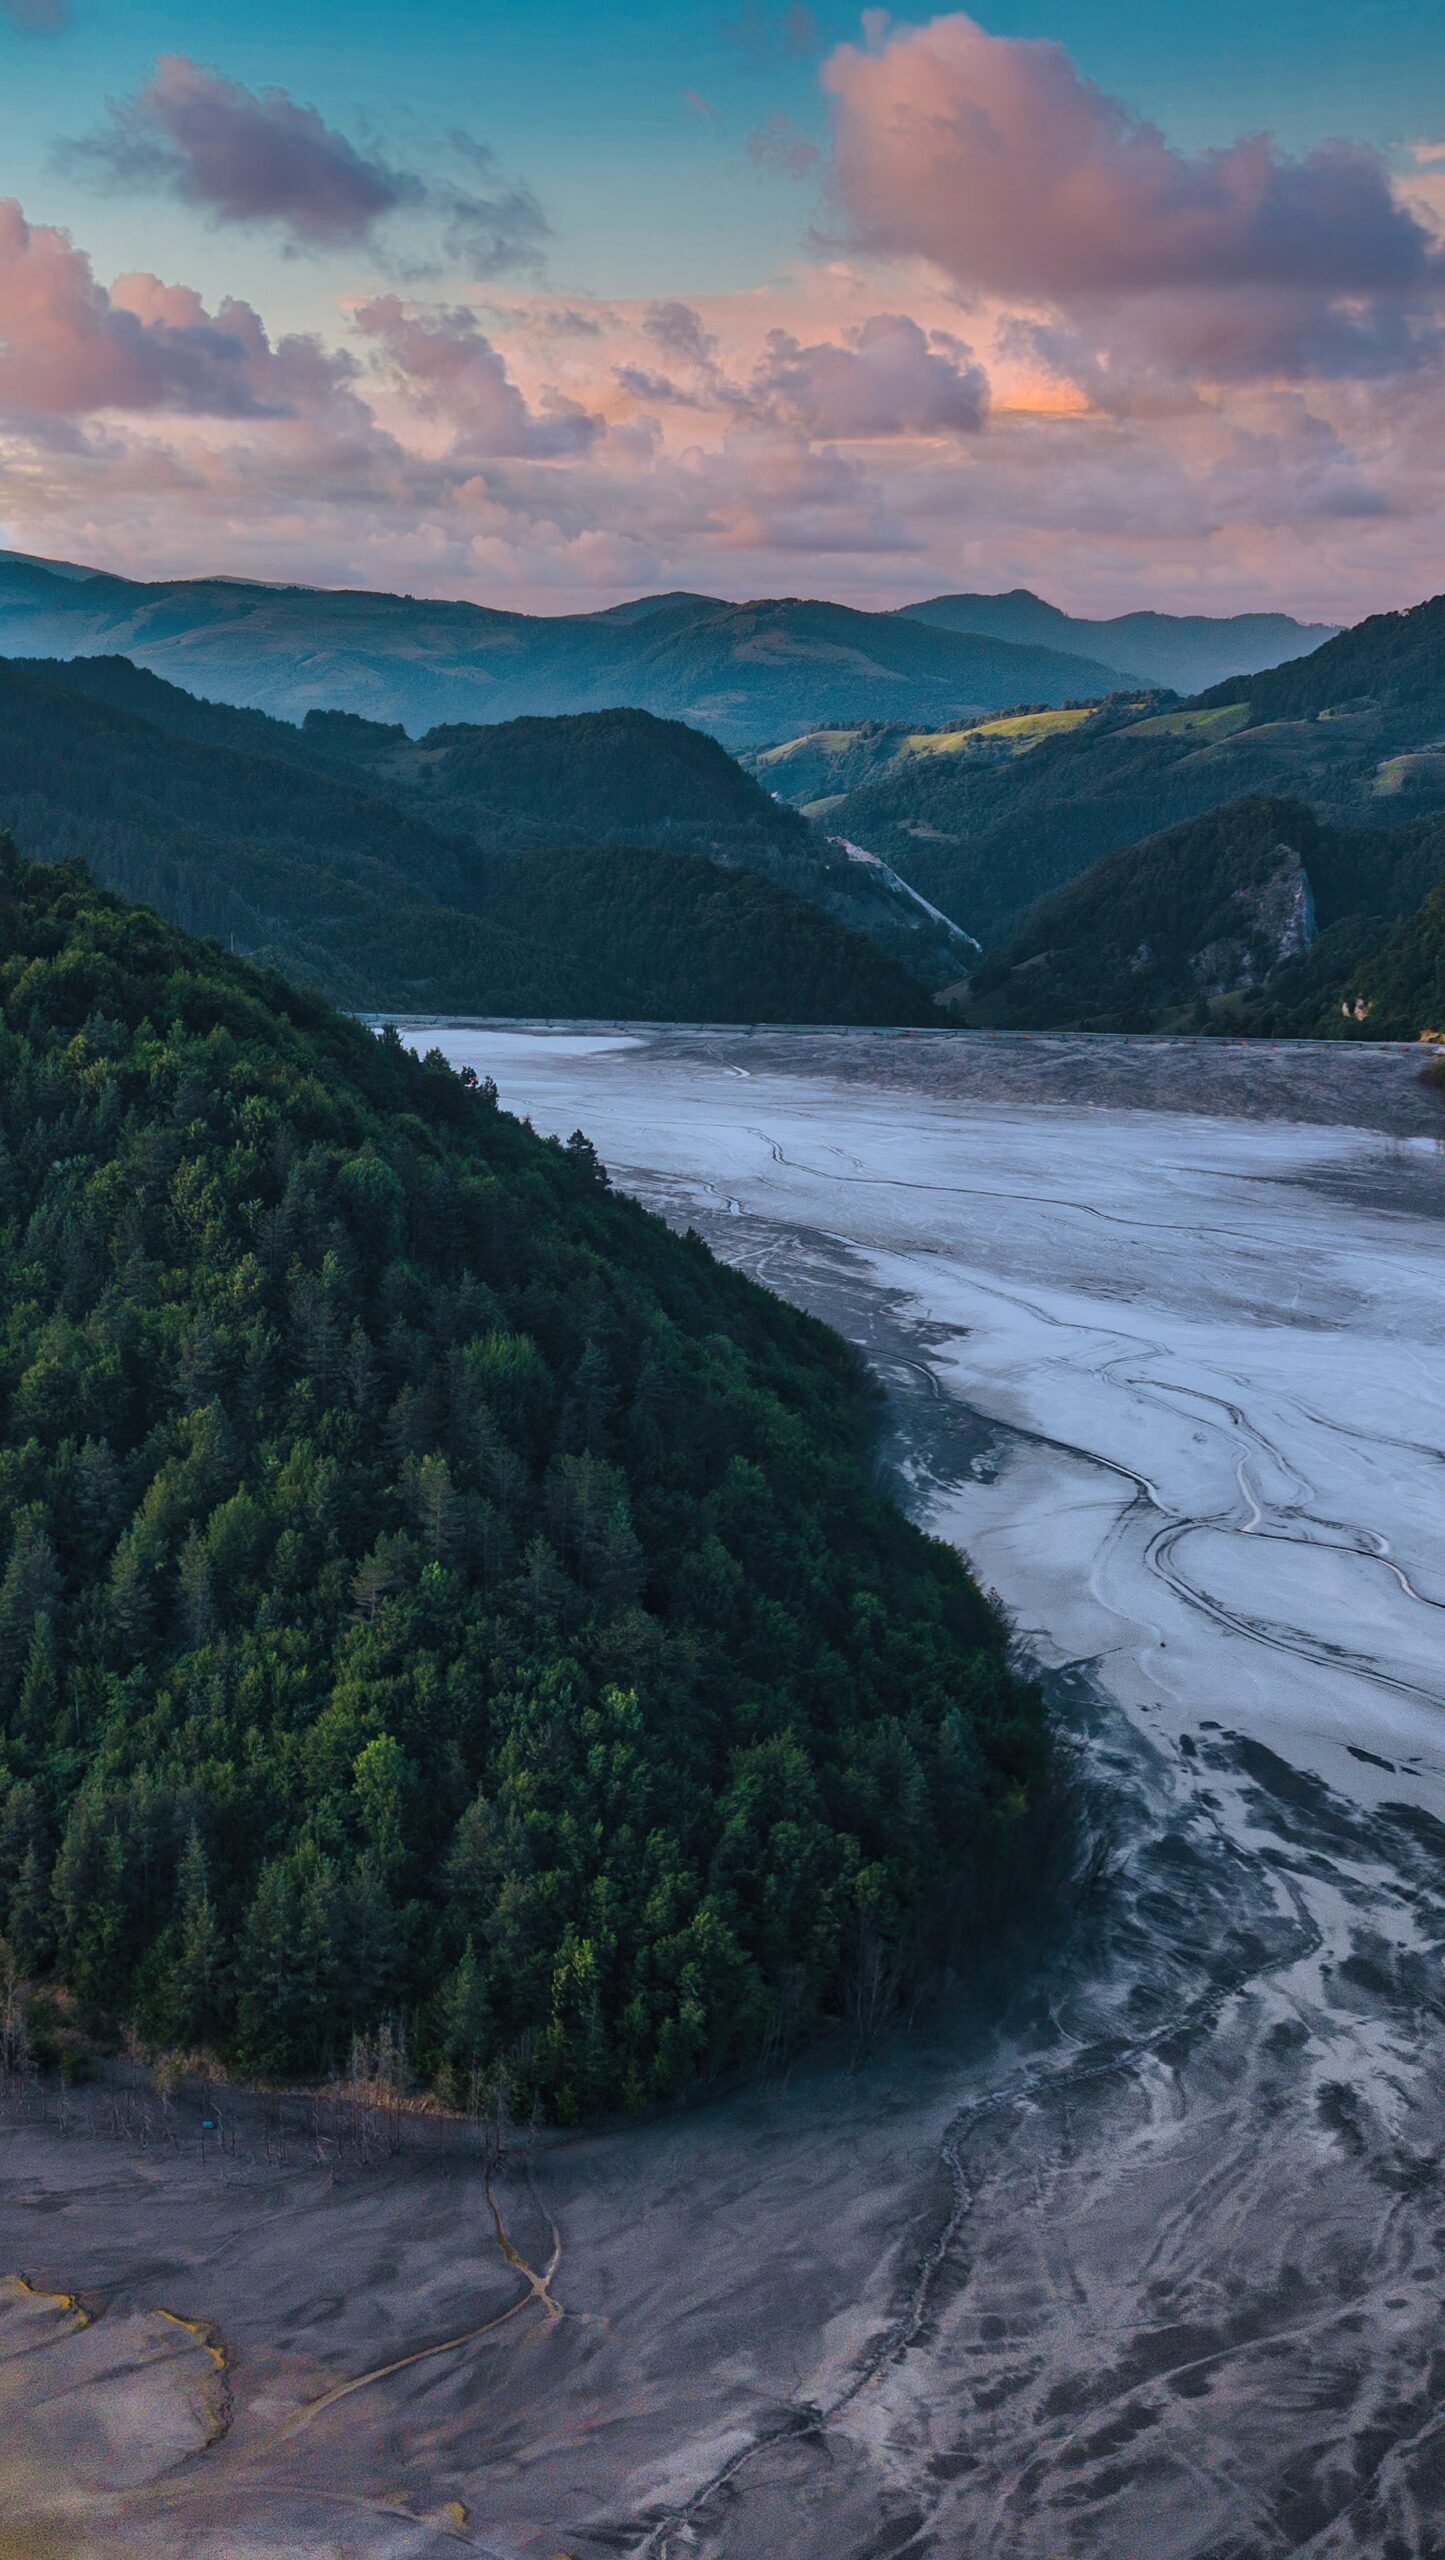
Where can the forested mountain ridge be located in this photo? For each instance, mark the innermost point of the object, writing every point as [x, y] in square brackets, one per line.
[1356, 730]
[286, 846]
[1258, 917]
[617, 777]
[747, 672]
[1392, 662]
[428, 1588]
[599, 777]
[606, 777]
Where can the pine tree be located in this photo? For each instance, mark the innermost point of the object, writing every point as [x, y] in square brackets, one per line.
[28, 1915]
[200, 1957]
[466, 2027]
[435, 1507]
[98, 1499]
[38, 1708]
[197, 1590]
[29, 1592]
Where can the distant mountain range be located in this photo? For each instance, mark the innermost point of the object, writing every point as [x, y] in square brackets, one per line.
[748, 673]
[1185, 652]
[1267, 854]
[401, 878]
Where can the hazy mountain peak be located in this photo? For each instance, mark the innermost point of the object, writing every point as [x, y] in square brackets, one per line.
[1186, 652]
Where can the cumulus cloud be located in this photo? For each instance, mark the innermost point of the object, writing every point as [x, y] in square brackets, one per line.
[243, 157]
[448, 370]
[261, 160]
[768, 489]
[641, 382]
[70, 347]
[884, 376]
[677, 329]
[994, 159]
[890, 379]
[532, 449]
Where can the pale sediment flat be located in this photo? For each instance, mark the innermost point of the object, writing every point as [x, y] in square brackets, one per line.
[1139, 2262]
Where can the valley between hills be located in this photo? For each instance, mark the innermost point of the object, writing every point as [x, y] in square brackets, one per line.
[722, 1211]
[635, 1922]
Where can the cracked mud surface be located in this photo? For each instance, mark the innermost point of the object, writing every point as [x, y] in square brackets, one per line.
[1140, 2261]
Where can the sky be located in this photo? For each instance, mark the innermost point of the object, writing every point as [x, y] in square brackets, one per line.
[554, 304]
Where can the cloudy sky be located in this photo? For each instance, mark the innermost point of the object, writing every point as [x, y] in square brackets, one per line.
[557, 303]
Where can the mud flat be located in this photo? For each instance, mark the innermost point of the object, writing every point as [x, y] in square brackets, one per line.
[1142, 2264]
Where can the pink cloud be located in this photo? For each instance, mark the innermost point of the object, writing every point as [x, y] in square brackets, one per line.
[792, 437]
[69, 348]
[641, 382]
[676, 328]
[994, 159]
[260, 159]
[449, 370]
[889, 380]
[244, 157]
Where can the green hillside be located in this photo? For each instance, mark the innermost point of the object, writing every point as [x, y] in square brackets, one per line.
[1257, 917]
[289, 848]
[1392, 662]
[599, 777]
[1356, 730]
[815, 771]
[430, 1590]
[671, 936]
[1397, 991]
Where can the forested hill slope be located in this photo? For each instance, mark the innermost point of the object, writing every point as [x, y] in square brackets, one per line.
[1396, 989]
[594, 777]
[1394, 662]
[1356, 730]
[598, 777]
[1256, 918]
[428, 1588]
[234, 825]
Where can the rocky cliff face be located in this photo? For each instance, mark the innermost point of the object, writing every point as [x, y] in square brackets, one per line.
[1276, 923]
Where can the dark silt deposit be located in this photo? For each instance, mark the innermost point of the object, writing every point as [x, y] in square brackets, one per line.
[1137, 2257]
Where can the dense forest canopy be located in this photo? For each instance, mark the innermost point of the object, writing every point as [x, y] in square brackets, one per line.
[429, 1589]
[599, 777]
[1257, 918]
[302, 851]
[1090, 866]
